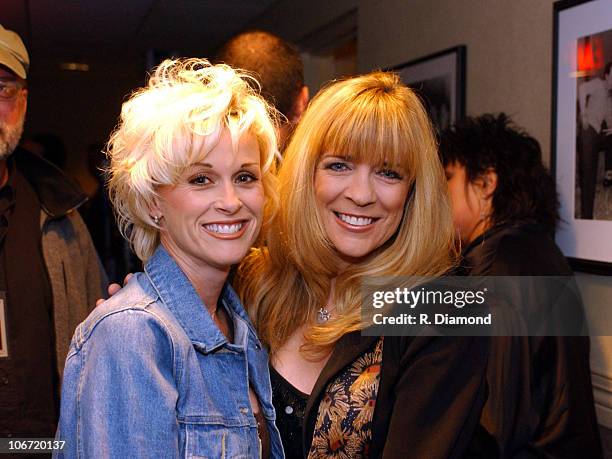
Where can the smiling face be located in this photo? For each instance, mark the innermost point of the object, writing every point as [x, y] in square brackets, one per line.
[213, 214]
[361, 206]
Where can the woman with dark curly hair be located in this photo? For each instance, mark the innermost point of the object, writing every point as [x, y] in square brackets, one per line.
[540, 401]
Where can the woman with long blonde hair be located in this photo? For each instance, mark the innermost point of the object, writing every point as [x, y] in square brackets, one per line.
[362, 195]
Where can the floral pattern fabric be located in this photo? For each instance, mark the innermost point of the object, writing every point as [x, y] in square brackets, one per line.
[343, 428]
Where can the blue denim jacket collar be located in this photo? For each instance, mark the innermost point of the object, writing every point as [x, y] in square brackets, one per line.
[156, 331]
[167, 279]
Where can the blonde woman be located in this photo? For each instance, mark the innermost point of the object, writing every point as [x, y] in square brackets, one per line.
[170, 366]
[363, 194]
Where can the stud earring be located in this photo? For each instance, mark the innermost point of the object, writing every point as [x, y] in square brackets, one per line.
[156, 219]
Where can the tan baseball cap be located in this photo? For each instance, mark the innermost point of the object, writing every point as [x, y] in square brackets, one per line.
[13, 53]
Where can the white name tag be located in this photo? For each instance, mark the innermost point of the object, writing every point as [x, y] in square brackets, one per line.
[3, 340]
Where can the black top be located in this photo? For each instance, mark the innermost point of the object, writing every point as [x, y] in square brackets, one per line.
[290, 406]
[540, 401]
[28, 379]
[514, 249]
[432, 390]
[431, 393]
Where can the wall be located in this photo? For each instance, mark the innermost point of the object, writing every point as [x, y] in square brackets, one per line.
[311, 25]
[597, 294]
[509, 68]
[508, 49]
[80, 107]
[297, 20]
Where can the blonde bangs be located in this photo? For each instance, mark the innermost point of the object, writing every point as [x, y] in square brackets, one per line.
[379, 130]
[372, 119]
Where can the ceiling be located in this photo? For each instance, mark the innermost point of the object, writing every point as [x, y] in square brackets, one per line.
[82, 30]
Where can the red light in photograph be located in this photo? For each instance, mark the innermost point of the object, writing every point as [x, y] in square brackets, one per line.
[590, 54]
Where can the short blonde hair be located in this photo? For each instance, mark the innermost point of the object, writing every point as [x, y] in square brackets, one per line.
[373, 119]
[173, 123]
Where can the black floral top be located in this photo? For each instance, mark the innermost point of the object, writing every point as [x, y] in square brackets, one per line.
[344, 422]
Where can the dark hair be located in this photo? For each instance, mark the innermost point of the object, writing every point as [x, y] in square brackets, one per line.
[277, 65]
[525, 189]
[607, 68]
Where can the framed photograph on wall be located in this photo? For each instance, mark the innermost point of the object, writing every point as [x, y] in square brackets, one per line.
[440, 81]
[582, 131]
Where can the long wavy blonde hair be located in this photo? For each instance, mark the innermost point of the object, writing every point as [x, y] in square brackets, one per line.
[377, 120]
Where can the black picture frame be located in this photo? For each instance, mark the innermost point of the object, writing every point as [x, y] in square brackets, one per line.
[439, 79]
[584, 233]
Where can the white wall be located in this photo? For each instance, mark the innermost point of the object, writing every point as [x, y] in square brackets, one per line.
[597, 295]
[509, 46]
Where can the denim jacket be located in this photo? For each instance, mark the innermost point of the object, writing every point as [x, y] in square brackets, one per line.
[149, 374]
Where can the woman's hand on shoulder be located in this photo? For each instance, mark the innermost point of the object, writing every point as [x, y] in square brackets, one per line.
[114, 288]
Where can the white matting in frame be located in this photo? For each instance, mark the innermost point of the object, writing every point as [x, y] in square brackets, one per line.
[588, 241]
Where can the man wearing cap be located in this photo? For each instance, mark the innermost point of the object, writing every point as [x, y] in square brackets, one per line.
[49, 270]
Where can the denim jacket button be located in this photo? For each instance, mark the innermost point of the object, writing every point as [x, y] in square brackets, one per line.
[244, 410]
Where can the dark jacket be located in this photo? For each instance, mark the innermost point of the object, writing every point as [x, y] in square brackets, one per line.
[431, 393]
[540, 401]
[75, 273]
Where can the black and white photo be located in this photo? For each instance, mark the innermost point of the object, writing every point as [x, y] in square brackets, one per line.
[439, 79]
[582, 131]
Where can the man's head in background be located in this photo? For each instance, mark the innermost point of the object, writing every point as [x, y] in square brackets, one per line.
[14, 63]
[277, 66]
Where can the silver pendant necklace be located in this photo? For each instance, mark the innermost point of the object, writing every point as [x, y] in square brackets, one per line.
[323, 315]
